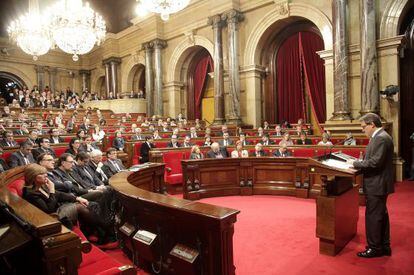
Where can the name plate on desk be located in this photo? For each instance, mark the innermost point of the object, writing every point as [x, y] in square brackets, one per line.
[145, 237]
[127, 229]
[185, 253]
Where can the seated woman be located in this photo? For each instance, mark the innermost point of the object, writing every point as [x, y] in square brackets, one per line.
[286, 140]
[325, 140]
[74, 147]
[98, 134]
[196, 153]
[207, 141]
[350, 140]
[258, 151]
[119, 141]
[81, 134]
[239, 152]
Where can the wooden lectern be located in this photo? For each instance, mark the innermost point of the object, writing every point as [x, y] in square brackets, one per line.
[337, 204]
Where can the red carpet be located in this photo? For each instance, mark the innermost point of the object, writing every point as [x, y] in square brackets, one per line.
[276, 235]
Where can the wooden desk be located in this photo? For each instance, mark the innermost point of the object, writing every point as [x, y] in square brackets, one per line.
[202, 228]
[336, 190]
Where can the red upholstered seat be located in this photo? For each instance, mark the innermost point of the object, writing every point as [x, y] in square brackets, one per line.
[173, 170]
[137, 153]
[160, 144]
[59, 150]
[303, 152]
[16, 187]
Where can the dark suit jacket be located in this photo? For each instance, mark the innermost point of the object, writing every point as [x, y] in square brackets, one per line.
[211, 155]
[92, 167]
[4, 165]
[37, 151]
[47, 205]
[90, 181]
[269, 142]
[377, 165]
[66, 184]
[221, 142]
[118, 143]
[262, 153]
[144, 152]
[3, 143]
[59, 139]
[286, 154]
[109, 168]
[135, 137]
[170, 145]
[17, 159]
[307, 142]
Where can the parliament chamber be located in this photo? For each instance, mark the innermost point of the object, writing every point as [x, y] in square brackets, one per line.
[206, 137]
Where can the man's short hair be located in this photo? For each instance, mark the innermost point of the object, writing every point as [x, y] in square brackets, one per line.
[372, 118]
[82, 156]
[26, 144]
[110, 150]
[64, 157]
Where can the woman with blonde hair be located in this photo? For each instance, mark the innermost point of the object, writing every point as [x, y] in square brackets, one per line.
[239, 152]
[196, 153]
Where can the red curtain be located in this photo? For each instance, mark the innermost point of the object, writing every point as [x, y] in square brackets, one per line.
[314, 71]
[202, 69]
[289, 81]
[299, 66]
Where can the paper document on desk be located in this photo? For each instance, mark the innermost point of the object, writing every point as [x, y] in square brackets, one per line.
[338, 164]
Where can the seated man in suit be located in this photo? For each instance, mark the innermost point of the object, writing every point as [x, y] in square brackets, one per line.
[96, 165]
[278, 131]
[258, 151]
[3, 165]
[54, 137]
[33, 137]
[112, 165]
[84, 172]
[242, 139]
[23, 156]
[8, 140]
[119, 141]
[23, 131]
[193, 132]
[44, 147]
[282, 152]
[145, 148]
[187, 142]
[266, 141]
[304, 140]
[137, 134]
[260, 132]
[226, 141]
[174, 142]
[217, 152]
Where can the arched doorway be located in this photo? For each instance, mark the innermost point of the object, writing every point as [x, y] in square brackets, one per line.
[200, 95]
[295, 82]
[9, 82]
[136, 79]
[100, 87]
[407, 92]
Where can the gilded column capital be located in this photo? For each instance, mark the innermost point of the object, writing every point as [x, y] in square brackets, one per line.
[232, 16]
[148, 46]
[216, 21]
[113, 60]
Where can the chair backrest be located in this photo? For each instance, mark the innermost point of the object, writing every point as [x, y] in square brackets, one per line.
[172, 160]
[16, 187]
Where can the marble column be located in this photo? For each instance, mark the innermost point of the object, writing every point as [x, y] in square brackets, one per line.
[52, 80]
[233, 17]
[40, 73]
[114, 63]
[340, 63]
[369, 76]
[158, 46]
[107, 78]
[217, 25]
[85, 74]
[149, 77]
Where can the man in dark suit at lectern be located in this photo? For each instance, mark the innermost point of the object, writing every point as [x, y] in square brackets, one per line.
[377, 168]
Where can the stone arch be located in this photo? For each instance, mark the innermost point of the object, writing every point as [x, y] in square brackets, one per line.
[126, 82]
[95, 80]
[317, 17]
[181, 53]
[392, 17]
[19, 74]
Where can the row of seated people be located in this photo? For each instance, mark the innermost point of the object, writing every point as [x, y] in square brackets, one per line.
[76, 189]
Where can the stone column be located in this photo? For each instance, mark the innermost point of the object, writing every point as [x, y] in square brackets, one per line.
[86, 75]
[158, 46]
[40, 73]
[217, 24]
[149, 77]
[233, 17]
[369, 77]
[341, 101]
[114, 62]
[107, 78]
[52, 80]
